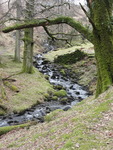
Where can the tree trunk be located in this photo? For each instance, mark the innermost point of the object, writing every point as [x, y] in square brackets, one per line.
[104, 59]
[17, 47]
[28, 39]
[103, 45]
[28, 51]
[18, 33]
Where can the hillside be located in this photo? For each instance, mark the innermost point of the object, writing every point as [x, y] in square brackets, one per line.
[87, 126]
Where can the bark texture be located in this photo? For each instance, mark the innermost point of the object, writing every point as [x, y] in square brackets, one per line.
[28, 39]
[103, 44]
[18, 33]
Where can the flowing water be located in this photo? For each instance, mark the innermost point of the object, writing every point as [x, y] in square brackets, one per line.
[75, 93]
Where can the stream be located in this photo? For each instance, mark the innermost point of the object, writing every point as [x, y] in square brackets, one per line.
[75, 93]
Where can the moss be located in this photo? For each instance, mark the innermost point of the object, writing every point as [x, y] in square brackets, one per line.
[2, 112]
[4, 130]
[47, 97]
[3, 109]
[58, 87]
[60, 93]
[64, 100]
[70, 58]
[62, 72]
[103, 43]
[3, 93]
[62, 19]
[54, 98]
[11, 86]
[14, 88]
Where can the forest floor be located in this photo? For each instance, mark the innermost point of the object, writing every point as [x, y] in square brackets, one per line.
[87, 126]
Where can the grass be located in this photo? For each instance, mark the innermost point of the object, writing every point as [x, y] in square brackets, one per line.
[31, 87]
[52, 115]
[83, 127]
[87, 126]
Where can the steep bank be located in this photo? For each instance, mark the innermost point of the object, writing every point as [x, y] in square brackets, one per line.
[86, 126]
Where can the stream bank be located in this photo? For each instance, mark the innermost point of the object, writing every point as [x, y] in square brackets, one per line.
[55, 100]
[68, 93]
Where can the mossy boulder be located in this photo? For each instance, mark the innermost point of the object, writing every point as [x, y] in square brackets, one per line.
[64, 100]
[60, 93]
[47, 97]
[70, 58]
[54, 98]
[58, 87]
[62, 71]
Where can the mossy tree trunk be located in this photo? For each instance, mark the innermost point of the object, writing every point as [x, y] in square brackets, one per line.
[28, 51]
[103, 43]
[28, 39]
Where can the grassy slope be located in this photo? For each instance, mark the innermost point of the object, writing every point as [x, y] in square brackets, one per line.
[31, 86]
[87, 126]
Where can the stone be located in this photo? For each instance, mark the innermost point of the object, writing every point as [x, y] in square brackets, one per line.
[29, 117]
[77, 93]
[64, 100]
[65, 108]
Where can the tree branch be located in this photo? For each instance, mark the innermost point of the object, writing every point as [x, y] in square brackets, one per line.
[50, 35]
[46, 8]
[90, 20]
[48, 22]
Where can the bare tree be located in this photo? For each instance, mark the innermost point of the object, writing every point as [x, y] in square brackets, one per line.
[18, 33]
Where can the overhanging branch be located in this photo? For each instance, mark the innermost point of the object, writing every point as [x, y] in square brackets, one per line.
[48, 22]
